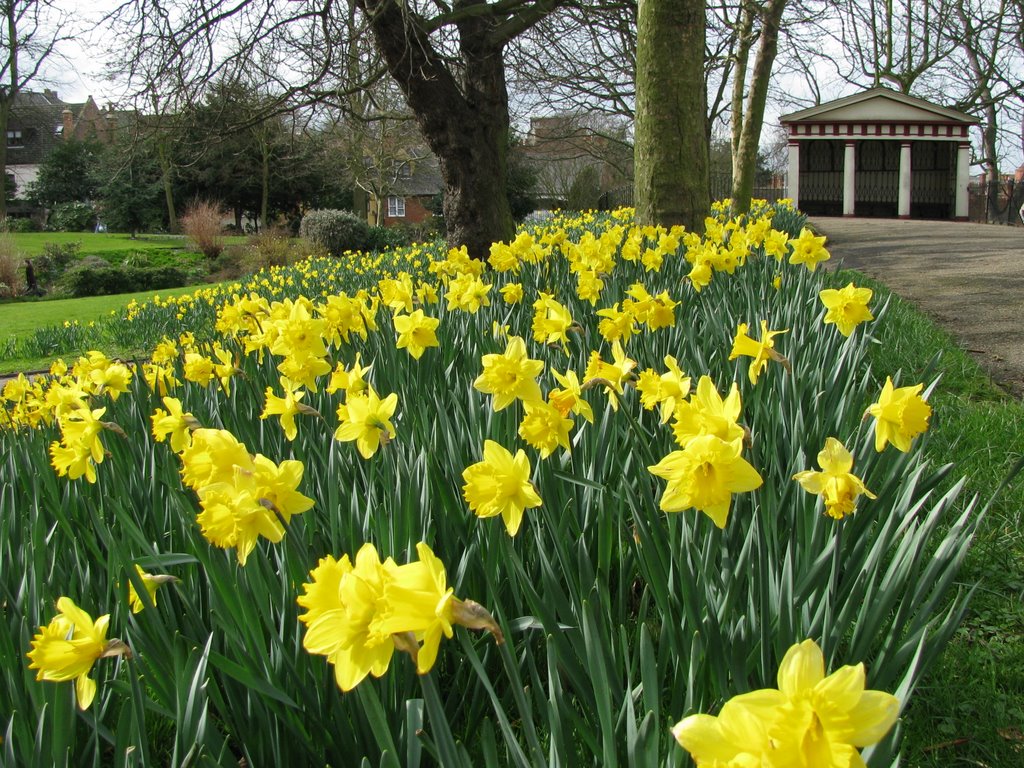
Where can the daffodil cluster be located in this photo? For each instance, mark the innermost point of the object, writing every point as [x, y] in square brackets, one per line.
[810, 720]
[358, 614]
[242, 496]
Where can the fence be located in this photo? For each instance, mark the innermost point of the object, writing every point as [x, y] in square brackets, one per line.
[996, 202]
[721, 188]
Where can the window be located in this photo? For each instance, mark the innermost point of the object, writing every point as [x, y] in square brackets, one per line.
[405, 171]
[14, 139]
[396, 207]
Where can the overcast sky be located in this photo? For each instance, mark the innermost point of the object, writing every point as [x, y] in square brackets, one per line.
[79, 74]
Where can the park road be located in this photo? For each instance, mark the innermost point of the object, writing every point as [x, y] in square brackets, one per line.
[969, 278]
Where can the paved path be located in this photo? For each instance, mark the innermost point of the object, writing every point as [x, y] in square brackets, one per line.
[968, 277]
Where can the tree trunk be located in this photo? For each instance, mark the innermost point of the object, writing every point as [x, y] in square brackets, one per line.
[465, 124]
[745, 160]
[165, 177]
[4, 112]
[739, 81]
[671, 150]
[265, 189]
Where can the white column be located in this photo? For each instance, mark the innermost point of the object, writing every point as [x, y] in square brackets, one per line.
[793, 174]
[963, 179]
[849, 176]
[903, 208]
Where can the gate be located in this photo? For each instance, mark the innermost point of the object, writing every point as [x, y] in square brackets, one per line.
[877, 179]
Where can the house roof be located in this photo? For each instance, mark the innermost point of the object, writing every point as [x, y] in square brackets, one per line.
[424, 179]
[879, 104]
[39, 117]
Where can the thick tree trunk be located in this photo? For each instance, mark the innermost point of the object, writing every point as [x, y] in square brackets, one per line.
[465, 124]
[671, 150]
[745, 159]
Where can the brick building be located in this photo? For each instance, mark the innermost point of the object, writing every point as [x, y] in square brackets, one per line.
[40, 120]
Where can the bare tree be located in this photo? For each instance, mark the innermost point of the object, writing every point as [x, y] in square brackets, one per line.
[747, 123]
[31, 34]
[446, 57]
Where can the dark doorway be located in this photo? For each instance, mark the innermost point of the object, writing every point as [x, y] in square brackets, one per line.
[877, 180]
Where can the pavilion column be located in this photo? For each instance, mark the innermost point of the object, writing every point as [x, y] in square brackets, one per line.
[903, 206]
[793, 173]
[849, 178]
[963, 180]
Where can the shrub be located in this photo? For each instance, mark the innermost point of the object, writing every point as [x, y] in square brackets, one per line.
[202, 226]
[54, 262]
[337, 231]
[385, 238]
[20, 224]
[276, 248]
[106, 280]
[11, 261]
[72, 217]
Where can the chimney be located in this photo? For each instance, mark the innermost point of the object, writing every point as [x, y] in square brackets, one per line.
[68, 119]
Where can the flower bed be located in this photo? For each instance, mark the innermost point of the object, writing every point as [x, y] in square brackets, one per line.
[410, 508]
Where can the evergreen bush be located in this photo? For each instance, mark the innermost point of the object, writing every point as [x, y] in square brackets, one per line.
[337, 231]
[72, 217]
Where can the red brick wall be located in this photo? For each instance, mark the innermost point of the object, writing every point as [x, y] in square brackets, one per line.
[415, 212]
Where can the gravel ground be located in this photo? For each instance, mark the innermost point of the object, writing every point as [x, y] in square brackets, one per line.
[969, 278]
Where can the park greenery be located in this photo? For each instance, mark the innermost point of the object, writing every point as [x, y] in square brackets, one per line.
[615, 607]
[643, 486]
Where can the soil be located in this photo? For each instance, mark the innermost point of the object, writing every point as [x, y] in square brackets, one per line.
[969, 278]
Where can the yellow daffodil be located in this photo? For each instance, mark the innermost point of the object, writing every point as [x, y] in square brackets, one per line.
[705, 475]
[80, 448]
[468, 293]
[900, 416]
[500, 485]
[615, 324]
[808, 250]
[69, 645]
[416, 332]
[612, 376]
[706, 413]
[152, 582]
[667, 389]
[847, 307]
[811, 720]
[212, 457]
[256, 499]
[762, 351]
[776, 244]
[366, 419]
[835, 484]
[352, 381]
[569, 399]
[544, 428]
[159, 378]
[357, 616]
[287, 407]
[551, 321]
[512, 293]
[510, 376]
[198, 368]
[339, 618]
[174, 423]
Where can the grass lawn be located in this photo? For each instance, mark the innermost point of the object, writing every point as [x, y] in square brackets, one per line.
[23, 318]
[970, 709]
[31, 243]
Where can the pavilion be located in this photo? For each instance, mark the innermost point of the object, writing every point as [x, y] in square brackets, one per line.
[880, 153]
